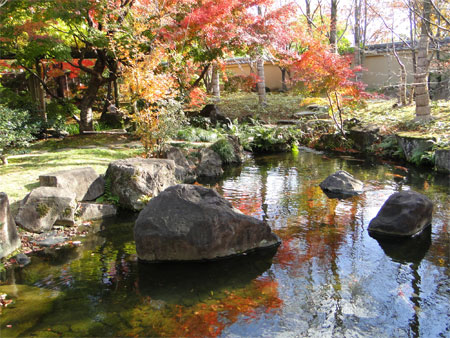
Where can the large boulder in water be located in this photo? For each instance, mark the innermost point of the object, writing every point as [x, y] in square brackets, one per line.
[45, 206]
[84, 182]
[9, 238]
[136, 180]
[192, 223]
[341, 184]
[404, 213]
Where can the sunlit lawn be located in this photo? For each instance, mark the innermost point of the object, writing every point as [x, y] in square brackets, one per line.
[21, 175]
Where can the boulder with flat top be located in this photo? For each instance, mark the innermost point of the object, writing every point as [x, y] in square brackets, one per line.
[194, 223]
[136, 180]
[84, 182]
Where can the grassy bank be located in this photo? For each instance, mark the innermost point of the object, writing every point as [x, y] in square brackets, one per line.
[383, 113]
[21, 175]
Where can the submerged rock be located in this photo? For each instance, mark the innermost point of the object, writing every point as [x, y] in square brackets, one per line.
[84, 182]
[341, 184]
[9, 238]
[136, 180]
[404, 213]
[45, 206]
[192, 223]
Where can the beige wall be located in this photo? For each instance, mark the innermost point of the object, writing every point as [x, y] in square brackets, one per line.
[384, 71]
[271, 71]
[381, 70]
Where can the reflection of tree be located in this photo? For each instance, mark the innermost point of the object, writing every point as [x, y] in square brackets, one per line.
[203, 319]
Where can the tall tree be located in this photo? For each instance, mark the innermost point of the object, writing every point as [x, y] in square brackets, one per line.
[423, 111]
[333, 25]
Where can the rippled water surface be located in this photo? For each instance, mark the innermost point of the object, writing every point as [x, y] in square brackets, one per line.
[328, 278]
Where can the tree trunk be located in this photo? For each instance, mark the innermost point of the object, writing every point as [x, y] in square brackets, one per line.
[423, 111]
[308, 14]
[215, 82]
[402, 87]
[412, 36]
[261, 84]
[283, 79]
[95, 82]
[357, 36]
[333, 26]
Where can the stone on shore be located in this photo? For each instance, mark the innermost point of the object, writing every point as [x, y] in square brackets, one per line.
[45, 206]
[210, 164]
[9, 238]
[92, 211]
[84, 182]
[135, 181]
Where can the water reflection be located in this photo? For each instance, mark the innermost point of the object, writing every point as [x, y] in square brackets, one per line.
[407, 250]
[162, 280]
[328, 277]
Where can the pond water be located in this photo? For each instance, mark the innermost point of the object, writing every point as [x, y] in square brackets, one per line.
[328, 278]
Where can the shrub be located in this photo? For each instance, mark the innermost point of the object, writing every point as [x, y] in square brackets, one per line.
[224, 149]
[262, 139]
[16, 130]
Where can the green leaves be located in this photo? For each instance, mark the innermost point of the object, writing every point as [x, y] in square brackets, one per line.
[15, 129]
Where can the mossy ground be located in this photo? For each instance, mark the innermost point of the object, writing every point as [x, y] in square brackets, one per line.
[384, 113]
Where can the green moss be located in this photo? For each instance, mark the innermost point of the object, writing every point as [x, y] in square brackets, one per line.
[67, 212]
[42, 209]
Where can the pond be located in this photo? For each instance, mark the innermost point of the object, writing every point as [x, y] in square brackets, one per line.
[328, 278]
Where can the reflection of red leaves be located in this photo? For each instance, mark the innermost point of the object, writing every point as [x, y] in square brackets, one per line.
[210, 319]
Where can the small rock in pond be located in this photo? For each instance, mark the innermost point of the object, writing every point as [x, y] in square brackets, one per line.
[341, 184]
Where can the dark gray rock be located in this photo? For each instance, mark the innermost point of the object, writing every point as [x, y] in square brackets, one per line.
[412, 145]
[288, 122]
[238, 149]
[191, 223]
[317, 108]
[136, 180]
[92, 211]
[210, 164]
[22, 259]
[341, 184]
[183, 170]
[84, 182]
[46, 206]
[9, 238]
[312, 115]
[363, 137]
[442, 160]
[51, 241]
[403, 214]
